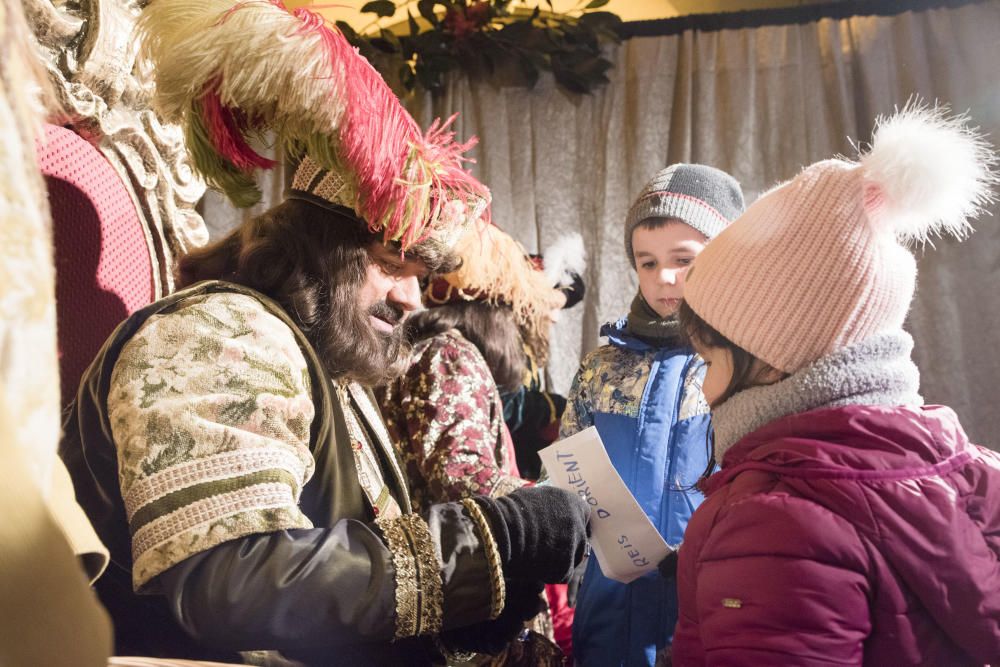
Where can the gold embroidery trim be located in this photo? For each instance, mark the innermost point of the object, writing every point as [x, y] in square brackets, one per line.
[419, 595]
[429, 569]
[507, 485]
[365, 462]
[406, 576]
[498, 592]
[374, 419]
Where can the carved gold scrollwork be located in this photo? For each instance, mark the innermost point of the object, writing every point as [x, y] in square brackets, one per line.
[89, 48]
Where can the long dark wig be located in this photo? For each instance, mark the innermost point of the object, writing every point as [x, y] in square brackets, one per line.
[491, 328]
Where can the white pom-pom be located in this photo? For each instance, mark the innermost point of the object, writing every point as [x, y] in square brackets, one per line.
[927, 173]
[564, 258]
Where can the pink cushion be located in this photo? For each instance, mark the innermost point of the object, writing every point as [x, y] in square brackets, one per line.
[103, 267]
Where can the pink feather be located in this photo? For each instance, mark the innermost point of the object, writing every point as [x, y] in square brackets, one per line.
[225, 132]
[381, 143]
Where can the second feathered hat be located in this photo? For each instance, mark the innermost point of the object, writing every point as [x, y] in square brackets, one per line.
[495, 268]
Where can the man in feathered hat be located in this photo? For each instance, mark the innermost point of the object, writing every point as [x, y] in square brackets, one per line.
[225, 443]
[532, 413]
[445, 413]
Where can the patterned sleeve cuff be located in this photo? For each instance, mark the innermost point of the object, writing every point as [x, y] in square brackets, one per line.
[199, 504]
[210, 409]
[419, 596]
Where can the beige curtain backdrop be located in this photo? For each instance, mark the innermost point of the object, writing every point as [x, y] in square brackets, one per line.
[760, 103]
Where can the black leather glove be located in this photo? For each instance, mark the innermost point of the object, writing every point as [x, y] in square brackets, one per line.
[541, 532]
[668, 566]
[524, 602]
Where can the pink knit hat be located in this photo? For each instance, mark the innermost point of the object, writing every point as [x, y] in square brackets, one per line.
[817, 263]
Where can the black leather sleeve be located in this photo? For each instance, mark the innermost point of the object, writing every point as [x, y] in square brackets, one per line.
[290, 590]
[313, 591]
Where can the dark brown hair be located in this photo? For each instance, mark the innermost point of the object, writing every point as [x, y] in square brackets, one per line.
[748, 370]
[491, 328]
[313, 262]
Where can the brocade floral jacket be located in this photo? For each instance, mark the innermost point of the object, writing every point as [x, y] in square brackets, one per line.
[446, 418]
[251, 503]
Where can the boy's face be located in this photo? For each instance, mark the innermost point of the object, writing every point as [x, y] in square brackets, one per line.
[663, 256]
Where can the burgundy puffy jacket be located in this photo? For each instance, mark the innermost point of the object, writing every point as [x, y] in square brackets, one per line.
[859, 535]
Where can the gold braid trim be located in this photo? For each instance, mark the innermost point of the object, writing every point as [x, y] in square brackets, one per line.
[498, 595]
[419, 598]
[406, 575]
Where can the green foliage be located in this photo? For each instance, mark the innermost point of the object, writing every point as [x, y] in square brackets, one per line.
[479, 36]
[381, 7]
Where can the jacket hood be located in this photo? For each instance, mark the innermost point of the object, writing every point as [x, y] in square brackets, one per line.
[910, 481]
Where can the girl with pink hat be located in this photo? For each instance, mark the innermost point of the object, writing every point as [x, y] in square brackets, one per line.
[850, 523]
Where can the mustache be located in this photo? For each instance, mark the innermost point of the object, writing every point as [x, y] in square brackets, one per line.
[387, 312]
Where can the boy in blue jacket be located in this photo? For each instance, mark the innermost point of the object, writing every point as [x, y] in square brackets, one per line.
[643, 393]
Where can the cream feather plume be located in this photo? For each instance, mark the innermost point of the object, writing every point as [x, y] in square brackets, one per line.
[565, 257]
[495, 268]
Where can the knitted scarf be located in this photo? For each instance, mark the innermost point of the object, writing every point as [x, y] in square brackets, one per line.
[875, 371]
[645, 324]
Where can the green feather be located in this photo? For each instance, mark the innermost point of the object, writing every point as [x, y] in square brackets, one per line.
[219, 173]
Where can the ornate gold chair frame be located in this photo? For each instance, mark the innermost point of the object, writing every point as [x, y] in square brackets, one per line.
[89, 49]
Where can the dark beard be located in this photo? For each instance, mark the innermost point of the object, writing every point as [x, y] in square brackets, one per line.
[351, 348]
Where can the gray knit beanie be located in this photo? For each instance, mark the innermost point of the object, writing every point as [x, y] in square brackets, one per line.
[703, 197]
